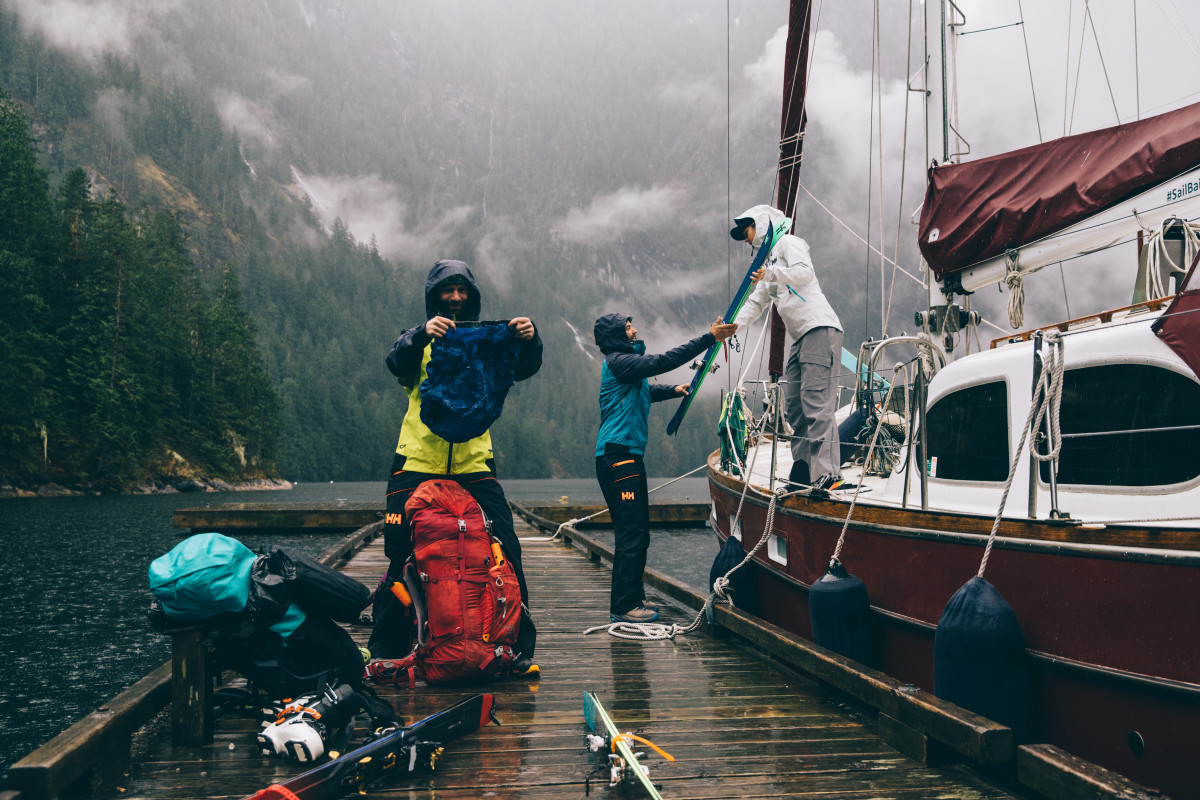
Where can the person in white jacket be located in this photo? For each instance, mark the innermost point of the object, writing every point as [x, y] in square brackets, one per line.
[789, 280]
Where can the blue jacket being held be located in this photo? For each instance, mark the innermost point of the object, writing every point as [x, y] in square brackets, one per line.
[625, 392]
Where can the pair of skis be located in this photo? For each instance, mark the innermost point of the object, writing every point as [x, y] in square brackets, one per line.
[622, 760]
[392, 752]
[739, 300]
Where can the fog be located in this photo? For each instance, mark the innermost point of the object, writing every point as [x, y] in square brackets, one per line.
[623, 136]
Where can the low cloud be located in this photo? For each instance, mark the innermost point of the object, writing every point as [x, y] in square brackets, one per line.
[244, 116]
[611, 215]
[110, 110]
[703, 96]
[766, 74]
[86, 27]
[371, 207]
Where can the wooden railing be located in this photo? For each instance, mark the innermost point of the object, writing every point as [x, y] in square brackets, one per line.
[95, 751]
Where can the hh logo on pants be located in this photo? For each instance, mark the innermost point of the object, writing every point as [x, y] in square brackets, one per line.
[394, 519]
[627, 495]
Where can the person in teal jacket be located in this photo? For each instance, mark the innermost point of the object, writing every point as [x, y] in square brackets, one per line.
[625, 398]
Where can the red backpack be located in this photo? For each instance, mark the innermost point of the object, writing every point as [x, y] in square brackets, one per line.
[464, 590]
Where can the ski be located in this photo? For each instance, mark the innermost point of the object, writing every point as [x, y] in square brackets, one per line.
[622, 759]
[397, 751]
[739, 299]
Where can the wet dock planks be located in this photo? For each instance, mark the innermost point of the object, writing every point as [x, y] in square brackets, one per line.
[737, 726]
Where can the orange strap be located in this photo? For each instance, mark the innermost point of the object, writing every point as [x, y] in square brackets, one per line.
[628, 737]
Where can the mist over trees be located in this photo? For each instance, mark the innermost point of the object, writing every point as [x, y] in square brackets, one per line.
[112, 354]
[580, 158]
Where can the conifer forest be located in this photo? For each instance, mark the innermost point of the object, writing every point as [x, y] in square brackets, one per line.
[215, 226]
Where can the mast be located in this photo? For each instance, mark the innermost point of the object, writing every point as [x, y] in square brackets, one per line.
[792, 122]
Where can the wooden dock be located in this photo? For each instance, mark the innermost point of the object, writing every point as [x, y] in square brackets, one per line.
[235, 518]
[737, 726]
[747, 709]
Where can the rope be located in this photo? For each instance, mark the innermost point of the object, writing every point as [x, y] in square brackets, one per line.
[1156, 253]
[1047, 394]
[571, 522]
[856, 235]
[657, 631]
[837, 550]
[1016, 290]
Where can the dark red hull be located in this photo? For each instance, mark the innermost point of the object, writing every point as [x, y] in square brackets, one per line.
[1113, 634]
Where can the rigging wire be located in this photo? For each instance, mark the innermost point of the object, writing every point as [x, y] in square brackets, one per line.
[879, 137]
[728, 160]
[1067, 68]
[1190, 38]
[1029, 64]
[1078, 71]
[954, 104]
[903, 164]
[1104, 67]
[856, 234]
[870, 169]
[1137, 73]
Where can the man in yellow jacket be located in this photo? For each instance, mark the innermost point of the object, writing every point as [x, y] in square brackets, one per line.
[451, 296]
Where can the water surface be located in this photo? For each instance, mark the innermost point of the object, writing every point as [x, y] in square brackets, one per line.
[74, 591]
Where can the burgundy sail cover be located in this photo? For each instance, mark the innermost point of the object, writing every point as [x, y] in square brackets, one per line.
[980, 209]
[1179, 326]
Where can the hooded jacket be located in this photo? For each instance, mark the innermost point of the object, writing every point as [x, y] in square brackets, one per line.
[625, 392]
[789, 280]
[425, 451]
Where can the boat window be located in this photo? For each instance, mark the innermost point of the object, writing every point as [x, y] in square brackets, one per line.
[967, 434]
[1137, 417]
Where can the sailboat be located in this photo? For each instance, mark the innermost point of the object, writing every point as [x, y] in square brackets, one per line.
[1059, 464]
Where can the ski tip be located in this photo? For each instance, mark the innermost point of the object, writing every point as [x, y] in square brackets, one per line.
[589, 710]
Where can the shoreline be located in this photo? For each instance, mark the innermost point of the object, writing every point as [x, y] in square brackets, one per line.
[162, 486]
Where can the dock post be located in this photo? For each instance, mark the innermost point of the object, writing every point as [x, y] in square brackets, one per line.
[191, 688]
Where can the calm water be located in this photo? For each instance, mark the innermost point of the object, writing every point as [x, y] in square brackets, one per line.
[74, 592]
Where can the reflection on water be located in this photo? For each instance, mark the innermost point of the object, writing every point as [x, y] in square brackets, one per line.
[73, 585]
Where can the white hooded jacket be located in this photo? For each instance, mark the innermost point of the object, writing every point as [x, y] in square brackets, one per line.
[789, 280]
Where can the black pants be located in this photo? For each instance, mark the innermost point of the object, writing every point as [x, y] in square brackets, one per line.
[392, 635]
[622, 477]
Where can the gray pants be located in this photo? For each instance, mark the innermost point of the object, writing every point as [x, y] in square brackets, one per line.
[811, 393]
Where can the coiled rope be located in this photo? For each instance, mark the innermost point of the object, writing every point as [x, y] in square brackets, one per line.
[658, 631]
[1016, 289]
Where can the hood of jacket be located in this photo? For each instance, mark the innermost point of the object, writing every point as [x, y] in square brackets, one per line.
[765, 216]
[609, 331]
[442, 272]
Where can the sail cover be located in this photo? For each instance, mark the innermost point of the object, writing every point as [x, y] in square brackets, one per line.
[980, 209]
[1179, 325]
